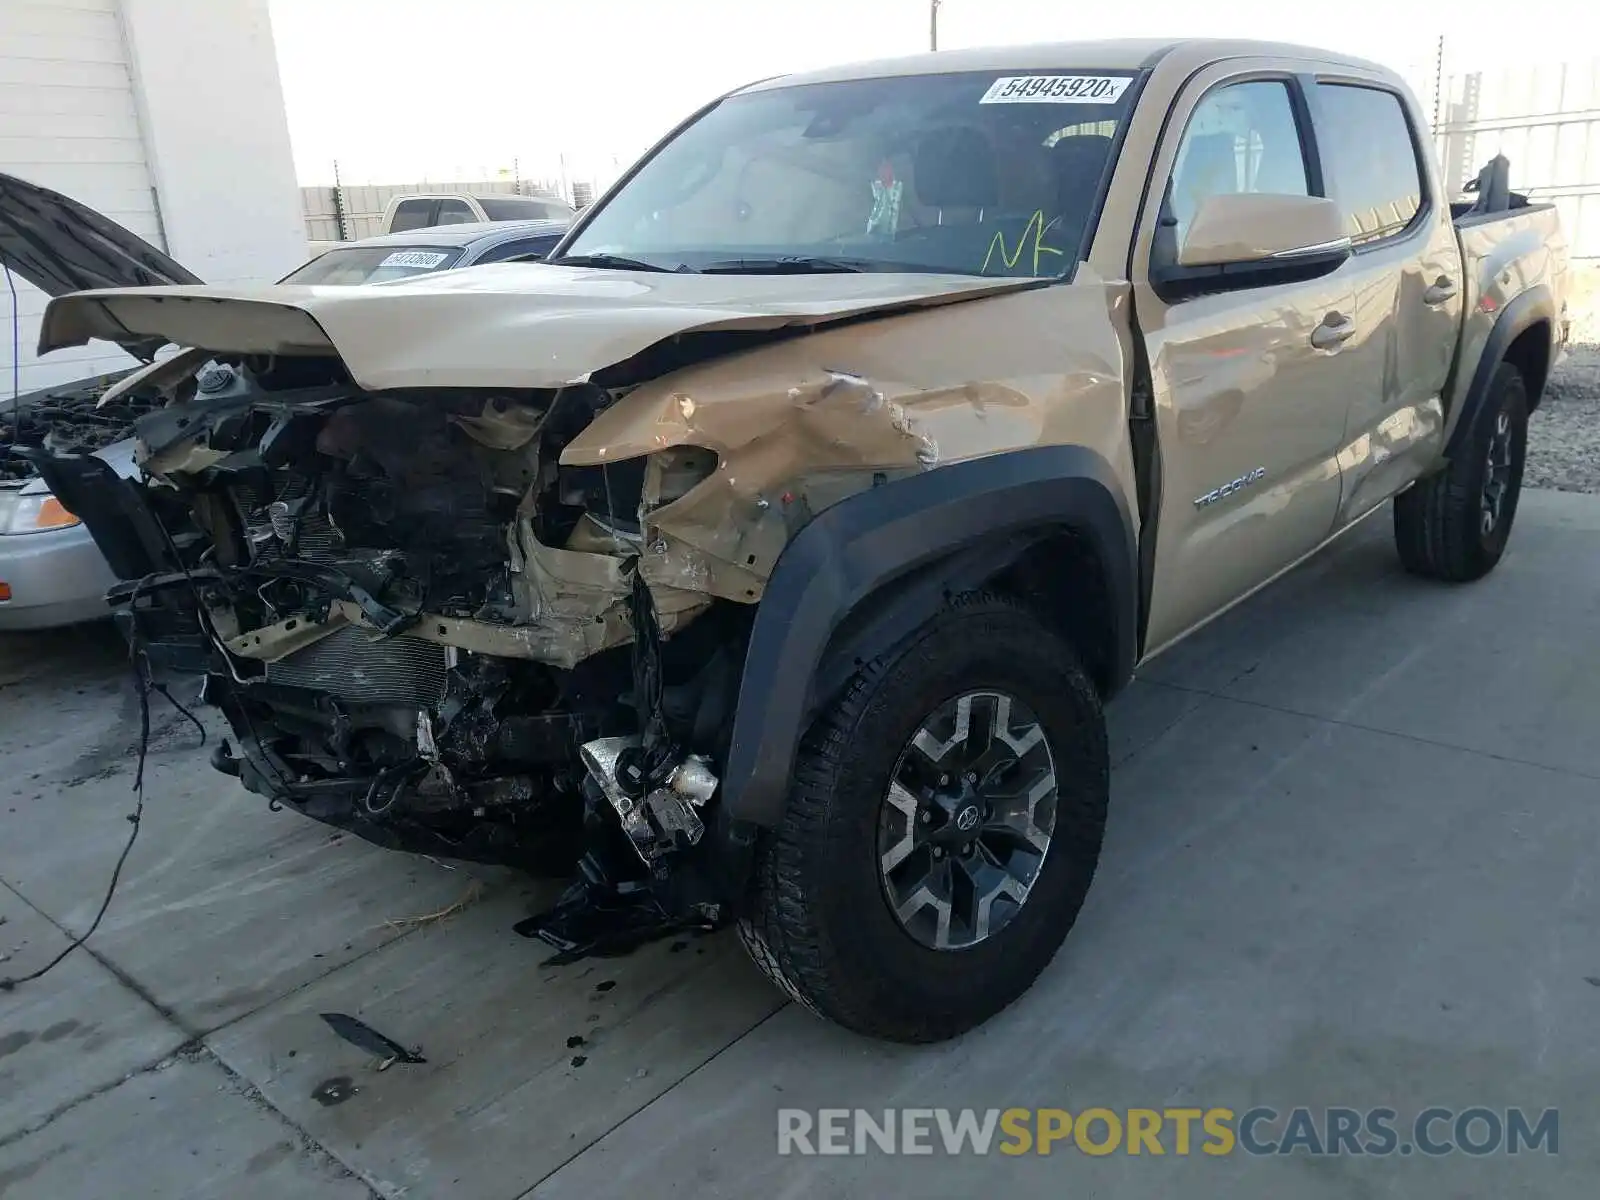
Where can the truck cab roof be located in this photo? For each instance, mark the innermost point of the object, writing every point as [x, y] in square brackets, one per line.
[1111, 54]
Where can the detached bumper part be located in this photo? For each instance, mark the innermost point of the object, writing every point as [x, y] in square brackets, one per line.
[666, 818]
[612, 908]
[600, 917]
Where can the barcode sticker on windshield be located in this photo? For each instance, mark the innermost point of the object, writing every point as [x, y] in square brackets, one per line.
[1057, 89]
[427, 260]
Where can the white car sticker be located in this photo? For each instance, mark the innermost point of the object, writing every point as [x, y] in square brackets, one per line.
[1057, 89]
[426, 259]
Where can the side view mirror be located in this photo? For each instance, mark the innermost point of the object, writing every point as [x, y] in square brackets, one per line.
[1254, 228]
[1247, 240]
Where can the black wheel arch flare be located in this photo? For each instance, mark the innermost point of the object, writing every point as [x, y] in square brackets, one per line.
[874, 566]
[1528, 309]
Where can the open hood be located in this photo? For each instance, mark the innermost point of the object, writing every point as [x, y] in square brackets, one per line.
[504, 325]
[61, 246]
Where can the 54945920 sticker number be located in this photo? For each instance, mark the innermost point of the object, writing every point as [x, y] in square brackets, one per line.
[1057, 89]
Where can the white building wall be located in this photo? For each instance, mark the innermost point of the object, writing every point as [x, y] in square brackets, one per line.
[165, 115]
[206, 75]
[68, 121]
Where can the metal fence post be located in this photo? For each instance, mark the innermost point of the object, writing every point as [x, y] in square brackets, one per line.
[1438, 86]
[340, 213]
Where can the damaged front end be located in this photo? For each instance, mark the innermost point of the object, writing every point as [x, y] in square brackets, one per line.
[422, 629]
[471, 569]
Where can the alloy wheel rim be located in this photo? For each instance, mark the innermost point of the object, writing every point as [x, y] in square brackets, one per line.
[967, 821]
[1497, 473]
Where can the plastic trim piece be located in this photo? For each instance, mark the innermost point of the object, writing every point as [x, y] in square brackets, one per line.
[878, 538]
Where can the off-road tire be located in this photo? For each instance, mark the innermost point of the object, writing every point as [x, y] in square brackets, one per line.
[1438, 521]
[818, 921]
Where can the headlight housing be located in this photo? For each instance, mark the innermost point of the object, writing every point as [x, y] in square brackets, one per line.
[37, 512]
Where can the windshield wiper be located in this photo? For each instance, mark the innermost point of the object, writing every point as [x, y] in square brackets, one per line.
[798, 264]
[610, 262]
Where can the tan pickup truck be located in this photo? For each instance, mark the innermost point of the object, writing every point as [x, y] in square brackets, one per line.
[771, 550]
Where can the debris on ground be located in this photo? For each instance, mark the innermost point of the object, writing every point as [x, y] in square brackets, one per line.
[598, 920]
[473, 894]
[364, 1037]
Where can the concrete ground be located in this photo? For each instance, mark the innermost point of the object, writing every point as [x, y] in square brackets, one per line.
[1351, 861]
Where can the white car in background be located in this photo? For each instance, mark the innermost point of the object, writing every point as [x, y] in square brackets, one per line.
[51, 571]
[413, 211]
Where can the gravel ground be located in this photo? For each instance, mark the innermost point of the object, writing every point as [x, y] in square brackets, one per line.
[1564, 435]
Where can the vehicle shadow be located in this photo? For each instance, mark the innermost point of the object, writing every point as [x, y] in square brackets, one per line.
[94, 649]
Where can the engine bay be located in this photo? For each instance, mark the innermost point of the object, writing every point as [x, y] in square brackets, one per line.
[65, 419]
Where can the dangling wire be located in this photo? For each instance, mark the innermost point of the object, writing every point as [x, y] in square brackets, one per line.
[656, 753]
[144, 683]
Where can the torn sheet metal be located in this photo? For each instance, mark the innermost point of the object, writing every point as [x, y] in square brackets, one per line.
[576, 600]
[502, 425]
[799, 425]
[161, 376]
[187, 457]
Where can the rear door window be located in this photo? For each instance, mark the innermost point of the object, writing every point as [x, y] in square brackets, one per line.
[1371, 158]
[413, 214]
[523, 208]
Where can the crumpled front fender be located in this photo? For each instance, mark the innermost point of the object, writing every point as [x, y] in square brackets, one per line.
[799, 425]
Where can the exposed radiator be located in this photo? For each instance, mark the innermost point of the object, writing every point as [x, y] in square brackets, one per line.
[288, 526]
[352, 665]
[314, 538]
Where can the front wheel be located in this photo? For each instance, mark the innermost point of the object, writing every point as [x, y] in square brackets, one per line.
[1454, 525]
[942, 830]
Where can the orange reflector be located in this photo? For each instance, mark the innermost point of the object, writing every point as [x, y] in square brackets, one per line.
[5, 592]
[53, 514]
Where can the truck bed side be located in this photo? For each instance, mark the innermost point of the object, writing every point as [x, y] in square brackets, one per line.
[1514, 276]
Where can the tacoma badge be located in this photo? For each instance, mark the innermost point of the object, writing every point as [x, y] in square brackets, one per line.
[1228, 489]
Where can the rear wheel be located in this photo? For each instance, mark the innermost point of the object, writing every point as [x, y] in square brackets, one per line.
[943, 828]
[1454, 525]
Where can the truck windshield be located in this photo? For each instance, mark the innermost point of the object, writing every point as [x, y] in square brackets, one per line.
[972, 173]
